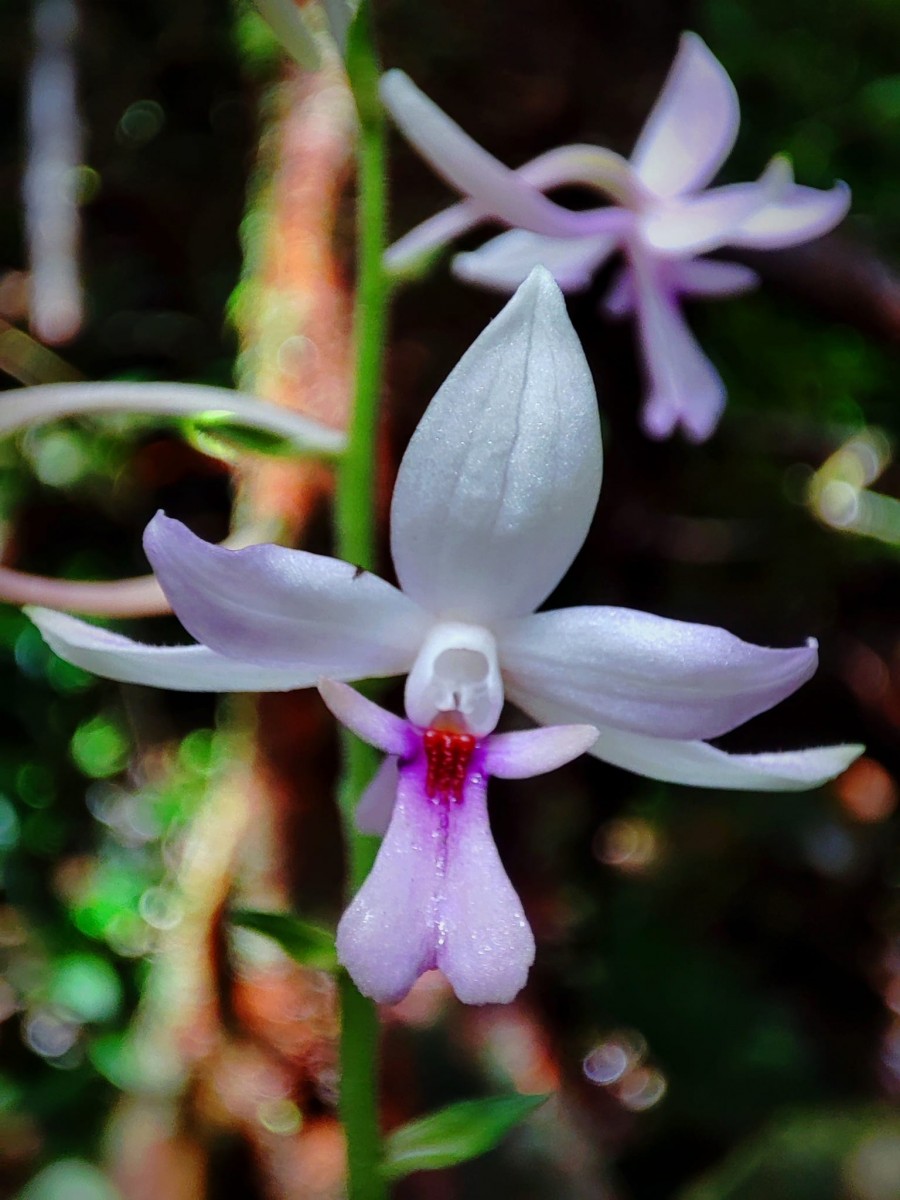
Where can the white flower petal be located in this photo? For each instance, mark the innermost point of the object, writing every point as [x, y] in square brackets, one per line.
[684, 386]
[799, 216]
[465, 165]
[711, 219]
[692, 126]
[506, 261]
[697, 764]
[498, 485]
[284, 608]
[649, 674]
[485, 944]
[376, 804]
[181, 668]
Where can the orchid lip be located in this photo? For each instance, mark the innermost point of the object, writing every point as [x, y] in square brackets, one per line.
[437, 882]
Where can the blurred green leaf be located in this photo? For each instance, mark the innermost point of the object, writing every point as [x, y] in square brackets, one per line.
[455, 1134]
[221, 436]
[306, 944]
[824, 1155]
[113, 1055]
[71, 1178]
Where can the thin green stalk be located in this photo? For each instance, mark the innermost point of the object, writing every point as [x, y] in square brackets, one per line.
[356, 478]
[355, 521]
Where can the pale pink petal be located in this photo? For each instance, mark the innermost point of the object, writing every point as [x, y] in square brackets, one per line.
[684, 387]
[366, 719]
[802, 214]
[432, 234]
[284, 608]
[590, 166]
[181, 668]
[587, 166]
[619, 301]
[485, 944]
[457, 158]
[712, 219]
[693, 125]
[649, 674]
[506, 261]
[387, 937]
[498, 485]
[376, 804]
[697, 764]
[682, 277]
[709, 277]
[529, 752]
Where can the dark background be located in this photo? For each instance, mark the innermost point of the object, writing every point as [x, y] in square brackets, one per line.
[742, 948]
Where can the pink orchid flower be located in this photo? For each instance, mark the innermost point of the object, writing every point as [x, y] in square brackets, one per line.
[664, 218]
[494, 497]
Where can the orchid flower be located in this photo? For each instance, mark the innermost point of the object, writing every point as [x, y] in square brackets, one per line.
[494, 497]
[664, 218]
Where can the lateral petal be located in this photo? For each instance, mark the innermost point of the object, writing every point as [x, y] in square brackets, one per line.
[387, 937]
[801, 215]
[181, 668]
[649, 674]
[692, 126]
[284, 608]
[529, 752]
[499, 482]
[705, 222]
[709, 277]
[697, 764]
[366, 719]
[485, 944]
[506, 261]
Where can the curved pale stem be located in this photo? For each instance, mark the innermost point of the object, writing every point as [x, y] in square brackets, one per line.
[25, 407]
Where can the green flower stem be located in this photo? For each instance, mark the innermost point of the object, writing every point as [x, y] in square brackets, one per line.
[356, 542]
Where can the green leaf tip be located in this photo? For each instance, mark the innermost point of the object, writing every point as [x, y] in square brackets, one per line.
[304, 943]
[455, 1134]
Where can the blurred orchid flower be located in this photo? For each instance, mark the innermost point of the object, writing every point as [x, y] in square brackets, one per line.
[664, 217]
[494, 497]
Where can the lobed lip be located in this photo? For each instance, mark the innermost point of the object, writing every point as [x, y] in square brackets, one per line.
[437, 882]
